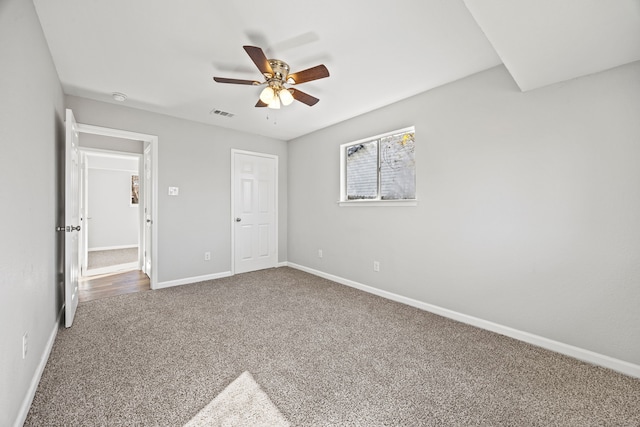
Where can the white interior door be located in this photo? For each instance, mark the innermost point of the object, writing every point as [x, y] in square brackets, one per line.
[254, 211]
[147, 214]
[84, 230]
[72, 219]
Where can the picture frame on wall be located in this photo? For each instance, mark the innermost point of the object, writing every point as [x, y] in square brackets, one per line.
[135, 190]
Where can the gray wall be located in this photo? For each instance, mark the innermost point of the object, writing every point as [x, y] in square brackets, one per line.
[528, 212]
[112, 221]
[31, 131]
[196, 158]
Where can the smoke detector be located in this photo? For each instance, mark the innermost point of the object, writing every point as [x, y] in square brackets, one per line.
[120, 97]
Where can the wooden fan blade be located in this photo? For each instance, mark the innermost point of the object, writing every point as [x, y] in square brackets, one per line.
[261, 104]
[304, 97]
[258, 57]
[313, 73]
[236, 81]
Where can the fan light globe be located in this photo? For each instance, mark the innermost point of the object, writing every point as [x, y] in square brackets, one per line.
[275, 103]
[285, 97]
[267, 95]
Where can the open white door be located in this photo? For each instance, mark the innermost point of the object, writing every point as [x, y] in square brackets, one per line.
[72, 219]
[148, 212]
[83, 247]
[254, 211]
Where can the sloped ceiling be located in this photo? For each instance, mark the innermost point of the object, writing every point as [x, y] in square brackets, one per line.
[163, 54]
[546, 42]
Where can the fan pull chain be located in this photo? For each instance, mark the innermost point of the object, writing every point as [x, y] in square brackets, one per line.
[275, 118]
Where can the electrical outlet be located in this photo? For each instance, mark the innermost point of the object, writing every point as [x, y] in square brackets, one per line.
[376, 266]
[25, 338]
[319, 253]
[207, 256]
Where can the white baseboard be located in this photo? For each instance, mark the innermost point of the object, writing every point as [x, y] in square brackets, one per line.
[589, 356]
[197, 279]
[35, 380]
[111, 248]
[189, 280]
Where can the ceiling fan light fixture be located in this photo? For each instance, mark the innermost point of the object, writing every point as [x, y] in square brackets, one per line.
[276, 74]
[285, 97]
[267, 95]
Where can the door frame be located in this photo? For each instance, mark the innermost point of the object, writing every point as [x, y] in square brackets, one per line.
[152, 140]
[233, 198]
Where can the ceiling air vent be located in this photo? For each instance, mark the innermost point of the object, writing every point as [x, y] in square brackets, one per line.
[221, 113]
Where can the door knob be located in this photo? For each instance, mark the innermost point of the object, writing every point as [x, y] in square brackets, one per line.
[238, 219]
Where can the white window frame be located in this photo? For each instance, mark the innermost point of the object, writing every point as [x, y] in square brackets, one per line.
[344, 202]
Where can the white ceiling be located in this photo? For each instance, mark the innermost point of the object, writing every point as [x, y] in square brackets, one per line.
[549, 41]
[163, 54]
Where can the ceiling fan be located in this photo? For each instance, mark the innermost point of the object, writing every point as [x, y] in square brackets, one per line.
[276, 74]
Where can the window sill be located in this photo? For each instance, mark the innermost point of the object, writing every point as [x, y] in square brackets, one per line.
[352, 203]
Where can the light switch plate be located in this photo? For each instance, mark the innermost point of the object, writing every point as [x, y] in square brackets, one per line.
[173, 191]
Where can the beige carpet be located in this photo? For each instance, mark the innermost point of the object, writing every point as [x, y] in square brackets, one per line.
[324, 353]
[242, 403]
[107, 258]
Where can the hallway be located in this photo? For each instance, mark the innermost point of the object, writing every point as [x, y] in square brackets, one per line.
[109, 285]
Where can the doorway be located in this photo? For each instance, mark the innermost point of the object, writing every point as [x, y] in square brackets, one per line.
[147, 228]
[110, 206]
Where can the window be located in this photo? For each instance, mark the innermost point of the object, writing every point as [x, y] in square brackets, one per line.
[379, 170]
